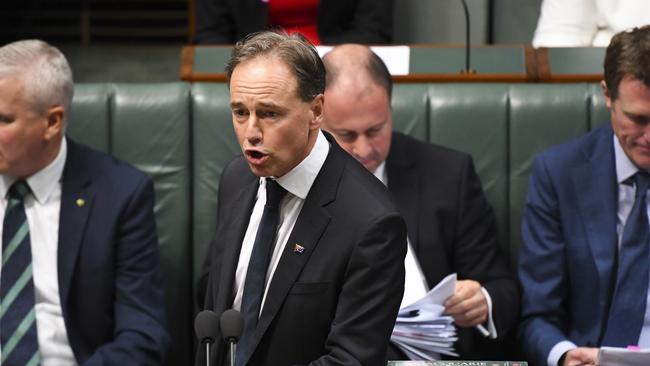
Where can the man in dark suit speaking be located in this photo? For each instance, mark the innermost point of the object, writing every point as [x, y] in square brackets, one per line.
[80, 282]
[451, 227]
[308, 246]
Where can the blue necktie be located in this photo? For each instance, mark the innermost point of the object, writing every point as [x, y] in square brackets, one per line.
[257, 267]
[17, 315]
[627, 311]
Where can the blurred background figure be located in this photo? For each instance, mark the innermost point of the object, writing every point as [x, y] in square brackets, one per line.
[451, 226]
[584, 23]
[321, 22]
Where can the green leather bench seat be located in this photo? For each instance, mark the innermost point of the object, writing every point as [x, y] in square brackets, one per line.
[181, 135]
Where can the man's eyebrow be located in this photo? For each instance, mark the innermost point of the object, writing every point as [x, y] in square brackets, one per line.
[378, 124]
[636, 115]
[236, 104]
[341, 131]
[269, 105]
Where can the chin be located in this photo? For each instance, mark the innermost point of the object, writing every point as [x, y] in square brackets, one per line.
[643, 162]
[257, 171]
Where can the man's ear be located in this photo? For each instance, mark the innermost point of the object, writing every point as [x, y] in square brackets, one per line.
[608, 99]
[316, 110]
[55, 117]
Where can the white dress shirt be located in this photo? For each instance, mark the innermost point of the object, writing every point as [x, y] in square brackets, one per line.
[415, 283]
[297, 182]
[584, 23]
[626, 192]
[42, 208]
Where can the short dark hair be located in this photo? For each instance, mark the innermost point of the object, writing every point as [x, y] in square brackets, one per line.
[374, 66]
[628, 54]
[301, 57]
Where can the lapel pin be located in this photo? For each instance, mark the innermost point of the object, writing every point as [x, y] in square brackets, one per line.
[80, 202]
[297, 248]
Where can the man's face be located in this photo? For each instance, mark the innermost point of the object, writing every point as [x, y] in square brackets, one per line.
[362, 124]
[24, 133]
[630, 114]
[275, 128]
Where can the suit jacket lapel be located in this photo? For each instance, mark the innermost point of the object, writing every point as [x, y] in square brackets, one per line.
[403, 183]
[596, 189]
[77, 198]
[238, 222]
[309, 227]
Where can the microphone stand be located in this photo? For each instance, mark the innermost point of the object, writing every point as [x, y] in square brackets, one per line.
[207, 351]
[467, 69]
[232, 352]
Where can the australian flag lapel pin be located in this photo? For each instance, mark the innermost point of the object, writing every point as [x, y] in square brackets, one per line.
[297, 248]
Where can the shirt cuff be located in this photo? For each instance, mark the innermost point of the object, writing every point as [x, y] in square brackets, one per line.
[492, 329]
[558, 350]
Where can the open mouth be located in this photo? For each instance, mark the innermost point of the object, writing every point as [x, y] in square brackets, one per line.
[255, 154]
[256, 157]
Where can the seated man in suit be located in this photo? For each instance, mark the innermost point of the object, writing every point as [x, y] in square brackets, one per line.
[451, 227]
[308, 246]
[79, 281]
[584, 260]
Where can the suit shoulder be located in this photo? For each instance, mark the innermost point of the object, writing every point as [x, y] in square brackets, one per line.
[359, 185]
[407, 146]
[578, 149]
[234, 173]
[427, 160]
[103, 166]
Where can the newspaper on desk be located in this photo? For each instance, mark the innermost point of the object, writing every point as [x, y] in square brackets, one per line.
[631, 356]
[421, 331]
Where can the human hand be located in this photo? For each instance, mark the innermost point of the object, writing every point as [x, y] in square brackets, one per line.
[581, 356]
[467, 305]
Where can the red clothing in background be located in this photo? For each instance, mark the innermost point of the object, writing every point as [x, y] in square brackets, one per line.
[295, 16]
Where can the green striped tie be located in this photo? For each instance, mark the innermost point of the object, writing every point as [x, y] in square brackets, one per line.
[17, 316]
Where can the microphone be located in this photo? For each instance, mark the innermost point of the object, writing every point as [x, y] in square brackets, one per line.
[206, 326]
[468, 69]
[232, 326]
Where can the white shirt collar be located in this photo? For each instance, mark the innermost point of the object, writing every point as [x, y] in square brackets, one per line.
[299, 180]
[41, 183]
[625, 168]
[380, 173]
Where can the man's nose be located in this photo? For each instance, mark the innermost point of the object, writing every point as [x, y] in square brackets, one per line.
[362, 147]
[253, 131]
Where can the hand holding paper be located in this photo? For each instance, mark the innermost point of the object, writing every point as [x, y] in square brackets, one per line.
[467, 305]
[421, 331]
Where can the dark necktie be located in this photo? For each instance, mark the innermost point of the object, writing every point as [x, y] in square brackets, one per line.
[17, 315]
[627, 311]
[258, 265]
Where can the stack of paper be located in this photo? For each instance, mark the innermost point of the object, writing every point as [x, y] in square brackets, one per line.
[421, 331]
[630, 356]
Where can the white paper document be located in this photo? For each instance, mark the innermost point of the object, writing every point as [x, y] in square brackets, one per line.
[421, 331]
[396, 58]
[631, 356]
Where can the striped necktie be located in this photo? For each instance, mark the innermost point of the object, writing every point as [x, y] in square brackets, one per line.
[17, 315]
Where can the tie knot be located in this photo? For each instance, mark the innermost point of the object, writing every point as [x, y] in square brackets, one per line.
[274, 193]
[642, 181]
[19, 190]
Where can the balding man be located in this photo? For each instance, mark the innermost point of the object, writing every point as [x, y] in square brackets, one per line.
[451, 227]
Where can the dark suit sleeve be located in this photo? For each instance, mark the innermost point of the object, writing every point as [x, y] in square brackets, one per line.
[370, 297]
[542, 269]
[371, 22]
[139, 334]
[477, 254]
[214, 23]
